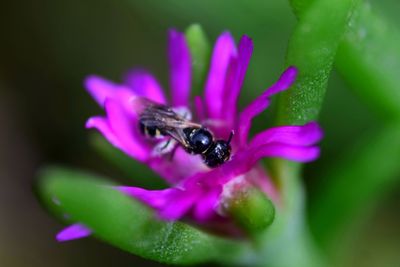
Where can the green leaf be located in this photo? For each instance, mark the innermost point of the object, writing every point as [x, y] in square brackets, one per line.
[368, 58]
[128, 224]
[312, 49]
[288, 241]
[300, 6]
[358, 179]
[200, 51]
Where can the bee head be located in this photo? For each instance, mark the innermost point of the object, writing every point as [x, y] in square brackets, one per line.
[218, 153]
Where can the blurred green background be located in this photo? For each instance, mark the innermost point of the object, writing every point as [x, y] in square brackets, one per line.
[48, 47]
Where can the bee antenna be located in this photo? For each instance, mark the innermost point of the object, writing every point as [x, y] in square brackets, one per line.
[231, 136]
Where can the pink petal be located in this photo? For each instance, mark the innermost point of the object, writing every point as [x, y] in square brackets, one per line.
[244, 160]
[205, 207]
[171, 203]
[144, 84]
[101, 124]
[238, 165]
[100, 88]
[262, 102]
[235, 82]
[125, 130]
[72, 232]
[289, 152]
[285, 81]
[305, 135]
[224, 51]
[180, 66]
[199, 108]
[174, 168]
[156, 199]
[180, 205]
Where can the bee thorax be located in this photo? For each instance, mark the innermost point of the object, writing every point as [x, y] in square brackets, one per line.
[199, 140]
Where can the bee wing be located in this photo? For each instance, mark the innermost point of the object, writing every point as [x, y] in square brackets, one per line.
[163, 117]
[169, 121]
[140, 104]
[178, 135]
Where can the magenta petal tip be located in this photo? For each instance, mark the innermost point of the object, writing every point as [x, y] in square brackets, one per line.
[289, 76]
[292, 70]
[73, 232]
[246, 40]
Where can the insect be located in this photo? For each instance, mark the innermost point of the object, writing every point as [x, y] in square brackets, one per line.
[158, 121]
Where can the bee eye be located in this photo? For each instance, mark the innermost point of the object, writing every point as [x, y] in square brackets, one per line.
[217, 154]
[200, 140]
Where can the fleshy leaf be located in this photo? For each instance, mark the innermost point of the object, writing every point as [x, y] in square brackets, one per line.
[312, 48]
[200, 51]
[370, 168]
[300, 6]
[368, 58]
[127, 224]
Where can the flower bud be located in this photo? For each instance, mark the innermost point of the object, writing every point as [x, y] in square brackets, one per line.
[250, 209]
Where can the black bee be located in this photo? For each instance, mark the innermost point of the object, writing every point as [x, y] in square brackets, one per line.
[157, 121]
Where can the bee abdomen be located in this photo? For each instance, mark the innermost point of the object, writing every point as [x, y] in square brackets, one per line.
[150, 131]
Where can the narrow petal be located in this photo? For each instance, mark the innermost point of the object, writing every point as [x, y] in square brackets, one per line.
[262, 102]
[180, 205]
[224, 51]
[205, 208]
[199, 108]
[101, 124]
[244, 160]
[156, 199]
[180, 67]
[285, 81]
[171, 203]
[232, 89]
[126, 131]
[177, 166]
[72, 232]
[100, 89]
[305, 135]
[144, 84]
[289, 152]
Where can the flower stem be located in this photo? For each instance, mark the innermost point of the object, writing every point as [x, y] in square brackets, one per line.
[288, 242]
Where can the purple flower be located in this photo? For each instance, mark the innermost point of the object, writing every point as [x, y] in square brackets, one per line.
[196, 191]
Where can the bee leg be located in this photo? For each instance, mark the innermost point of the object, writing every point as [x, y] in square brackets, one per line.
[165, 145]
[171, 155]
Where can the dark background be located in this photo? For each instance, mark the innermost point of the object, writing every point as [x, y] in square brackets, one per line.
[48, 47]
